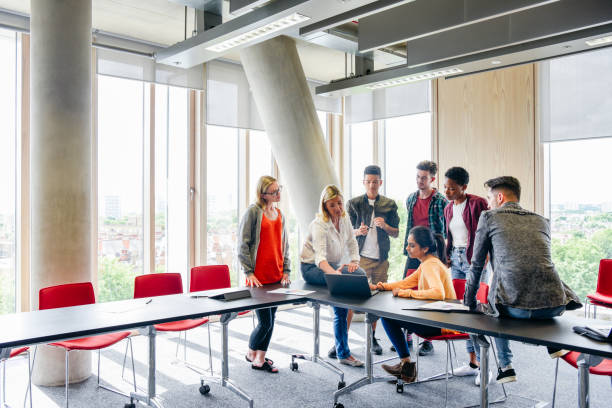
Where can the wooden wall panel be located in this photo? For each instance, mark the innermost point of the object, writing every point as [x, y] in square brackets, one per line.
[486, 124]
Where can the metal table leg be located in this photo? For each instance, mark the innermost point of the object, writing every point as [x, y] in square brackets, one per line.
[315, 357]
[224, 379]
[369, 365]
[149, 399]
[585, 361]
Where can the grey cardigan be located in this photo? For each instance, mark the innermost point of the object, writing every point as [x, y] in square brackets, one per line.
[524, 275]
[250, 227]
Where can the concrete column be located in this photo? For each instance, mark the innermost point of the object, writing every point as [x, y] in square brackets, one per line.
[284, 102]
[60, 162]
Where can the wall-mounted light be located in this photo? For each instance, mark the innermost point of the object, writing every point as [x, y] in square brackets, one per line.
[414, 78]
[259, 32]
[599, 41]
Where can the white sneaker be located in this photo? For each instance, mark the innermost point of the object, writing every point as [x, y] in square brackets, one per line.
[465, 370]
[477, 378]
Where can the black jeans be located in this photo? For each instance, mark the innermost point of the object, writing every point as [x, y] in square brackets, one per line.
[262, 333]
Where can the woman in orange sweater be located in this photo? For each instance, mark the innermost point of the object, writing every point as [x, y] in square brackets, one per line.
[433, 281]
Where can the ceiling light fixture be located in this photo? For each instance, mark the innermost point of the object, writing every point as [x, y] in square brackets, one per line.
[259, 32]
[414, 78]
[496, 62]
[599, 41]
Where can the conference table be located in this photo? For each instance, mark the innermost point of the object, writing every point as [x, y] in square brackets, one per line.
[39, 327]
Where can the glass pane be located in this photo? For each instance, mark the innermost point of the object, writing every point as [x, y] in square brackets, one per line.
[361, 154]
[120, 203]
[178, 181]
[8, 106]
[323, 121]
[581, 210]
[161, 177]
[222, 197]
[260, 160]
[407, 142]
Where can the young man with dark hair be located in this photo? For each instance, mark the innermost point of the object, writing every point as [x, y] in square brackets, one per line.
[461, 215]
[525, 284]
[374, 218]
[425, 208]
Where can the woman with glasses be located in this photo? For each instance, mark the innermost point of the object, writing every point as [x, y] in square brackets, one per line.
[330, 235]
[264, 256]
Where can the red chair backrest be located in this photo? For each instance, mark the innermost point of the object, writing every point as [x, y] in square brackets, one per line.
[70, 294]
[209, 277]
[483, 293]
[459, 285]
[157, 284]
[604, 278]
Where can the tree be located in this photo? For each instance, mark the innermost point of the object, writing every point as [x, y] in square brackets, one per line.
[116, 280]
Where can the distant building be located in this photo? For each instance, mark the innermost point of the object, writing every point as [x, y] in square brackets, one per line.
[112, 207]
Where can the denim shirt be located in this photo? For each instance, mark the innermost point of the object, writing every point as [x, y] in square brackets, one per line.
[524, 275]
[360, 210]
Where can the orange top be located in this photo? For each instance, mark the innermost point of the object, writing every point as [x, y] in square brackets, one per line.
[432, 279]
[269, 260]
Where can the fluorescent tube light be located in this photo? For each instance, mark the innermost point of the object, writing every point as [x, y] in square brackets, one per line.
[415, 78]
[599, 41]
[259, 32]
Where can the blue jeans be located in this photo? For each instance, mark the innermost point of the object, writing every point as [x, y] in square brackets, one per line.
[393, 328]
[503, 345]
[460, 267]
[314, 275]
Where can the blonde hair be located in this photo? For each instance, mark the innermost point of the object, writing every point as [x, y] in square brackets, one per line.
[262, 185]
[329, 192]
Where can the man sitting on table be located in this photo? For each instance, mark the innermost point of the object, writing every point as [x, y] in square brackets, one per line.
[525, 284]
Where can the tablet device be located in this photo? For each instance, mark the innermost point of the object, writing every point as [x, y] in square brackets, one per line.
[349, 285]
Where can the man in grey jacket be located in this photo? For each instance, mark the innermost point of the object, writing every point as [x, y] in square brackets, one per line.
[525, 284]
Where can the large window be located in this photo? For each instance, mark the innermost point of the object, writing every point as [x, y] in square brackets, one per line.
[8, 137]
[407, 141]
[120, 185]
[260, 160]
[580, 210]
[360, 154]
[222, 185]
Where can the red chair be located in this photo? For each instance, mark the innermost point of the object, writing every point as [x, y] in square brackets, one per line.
[76, 294]
[603, 293]
[5, 355]
[161, 284]
[211, 277]
[603, 368]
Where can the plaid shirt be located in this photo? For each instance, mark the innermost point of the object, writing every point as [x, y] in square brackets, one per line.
[437, 223]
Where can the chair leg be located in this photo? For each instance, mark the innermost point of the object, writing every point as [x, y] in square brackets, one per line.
[133, 369]
[30, 369]
[448, 357]
[67, 375]
[497, 365]
[178, 343]
[3, 362]
[253, 316]
[124, 358]
[98, 367]
[555, 384]
[210, 363]
[185, 346]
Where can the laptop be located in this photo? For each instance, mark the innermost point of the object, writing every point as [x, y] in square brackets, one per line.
[355, 286]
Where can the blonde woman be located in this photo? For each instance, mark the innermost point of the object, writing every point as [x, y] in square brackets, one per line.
[264, 257]
[330, 235]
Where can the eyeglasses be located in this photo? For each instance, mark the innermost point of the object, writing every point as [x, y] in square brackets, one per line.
[275, 192]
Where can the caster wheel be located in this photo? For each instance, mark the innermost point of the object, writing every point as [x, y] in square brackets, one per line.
[341, 385]
[293, 366]
[204, 389]
[399, 388]
[338, 405]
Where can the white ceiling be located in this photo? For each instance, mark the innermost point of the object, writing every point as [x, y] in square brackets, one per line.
[163, 22]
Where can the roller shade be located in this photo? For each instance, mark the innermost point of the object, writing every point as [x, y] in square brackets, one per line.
[229, 101]
[576, 97]
[140, 68]
[388, 103]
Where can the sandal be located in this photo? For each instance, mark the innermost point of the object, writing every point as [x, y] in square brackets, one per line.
[266, 359]
[265, 367]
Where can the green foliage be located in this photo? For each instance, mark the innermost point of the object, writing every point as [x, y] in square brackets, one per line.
[115, 280]
[7, 292]
[397, 259]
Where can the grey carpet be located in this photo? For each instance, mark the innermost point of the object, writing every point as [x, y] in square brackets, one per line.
[311, 385]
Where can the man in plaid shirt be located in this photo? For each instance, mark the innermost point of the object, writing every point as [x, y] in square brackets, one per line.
[425, 208]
